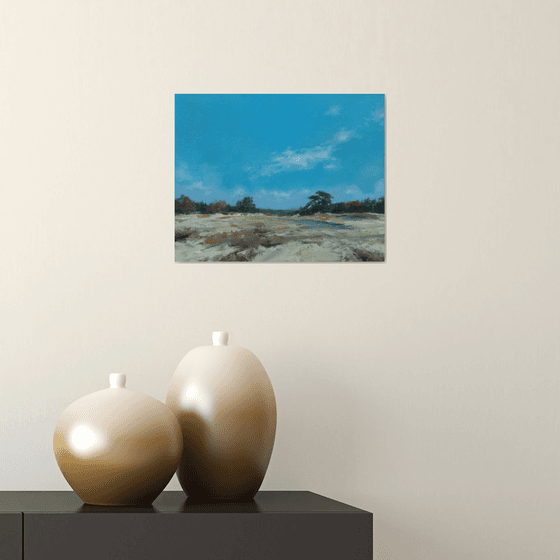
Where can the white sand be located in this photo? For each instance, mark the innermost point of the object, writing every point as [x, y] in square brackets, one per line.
[210, 236]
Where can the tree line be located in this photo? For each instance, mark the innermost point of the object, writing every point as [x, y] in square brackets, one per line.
[319, 203]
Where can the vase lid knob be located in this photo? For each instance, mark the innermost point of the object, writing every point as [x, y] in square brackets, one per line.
[117, 380]
[220, 338]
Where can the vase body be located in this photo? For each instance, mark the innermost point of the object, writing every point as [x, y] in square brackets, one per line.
[225, 405]
[117, 447]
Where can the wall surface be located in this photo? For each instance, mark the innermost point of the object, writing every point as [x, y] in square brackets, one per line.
[424, 389]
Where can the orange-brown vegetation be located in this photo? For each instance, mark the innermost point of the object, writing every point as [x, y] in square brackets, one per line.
[217, 207]
[184, 205]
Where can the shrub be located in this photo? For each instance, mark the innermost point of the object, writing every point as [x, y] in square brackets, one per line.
[217, 207]
[354, 206]
[338, 207]
[184, 205]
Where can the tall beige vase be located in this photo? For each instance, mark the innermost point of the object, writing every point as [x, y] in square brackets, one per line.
[117, 447]
[225, 405]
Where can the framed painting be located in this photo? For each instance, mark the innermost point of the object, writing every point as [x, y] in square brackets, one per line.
[279, 178]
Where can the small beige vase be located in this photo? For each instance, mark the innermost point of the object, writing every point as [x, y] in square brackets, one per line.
[117, 447]
[225, 404]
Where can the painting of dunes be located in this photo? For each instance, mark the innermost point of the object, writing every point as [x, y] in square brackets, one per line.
[279, 178]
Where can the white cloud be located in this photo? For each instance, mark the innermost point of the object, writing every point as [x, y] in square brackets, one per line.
[283, 195]
[239, 191]
[182, 174]
[199, 181]
[205, 178]
[330, 166]
[379, 189]
[343, 192]
[306, 158]
[199, 186]
[353, 190]
[333, 110]
[342, 136]
[295, 160]
[378, 116]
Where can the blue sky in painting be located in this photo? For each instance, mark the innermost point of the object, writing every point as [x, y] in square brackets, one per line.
[279, 148]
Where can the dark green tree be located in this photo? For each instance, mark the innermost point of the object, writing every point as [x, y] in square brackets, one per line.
[246, 205]
[368, 205]
[318, 202]
[338, 207]
[201, 207]
[379, 206]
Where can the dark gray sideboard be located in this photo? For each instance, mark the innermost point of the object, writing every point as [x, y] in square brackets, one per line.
[280, 525]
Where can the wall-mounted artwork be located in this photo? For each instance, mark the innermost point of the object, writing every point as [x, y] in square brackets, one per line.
[279, 178]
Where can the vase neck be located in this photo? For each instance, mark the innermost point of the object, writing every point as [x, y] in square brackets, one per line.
[220, 338]
[117, 380]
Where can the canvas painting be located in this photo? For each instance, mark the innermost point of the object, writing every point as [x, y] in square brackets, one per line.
[279, 178]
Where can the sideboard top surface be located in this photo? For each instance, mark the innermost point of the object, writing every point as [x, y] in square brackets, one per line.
[174, 502]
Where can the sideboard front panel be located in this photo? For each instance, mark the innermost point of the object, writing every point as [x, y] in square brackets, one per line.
[11, 527]
[250, 536]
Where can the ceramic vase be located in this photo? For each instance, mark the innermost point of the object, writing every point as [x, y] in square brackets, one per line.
[117, 447]
[225, 404]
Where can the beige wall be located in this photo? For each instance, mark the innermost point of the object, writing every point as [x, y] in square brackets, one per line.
[425, 389]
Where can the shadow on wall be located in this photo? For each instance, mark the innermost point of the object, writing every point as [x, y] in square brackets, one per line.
[398, 543]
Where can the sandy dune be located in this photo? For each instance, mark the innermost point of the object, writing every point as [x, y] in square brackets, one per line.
[267, 238]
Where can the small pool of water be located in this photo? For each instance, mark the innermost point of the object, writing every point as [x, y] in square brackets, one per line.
[355, 218]
[313, 224]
